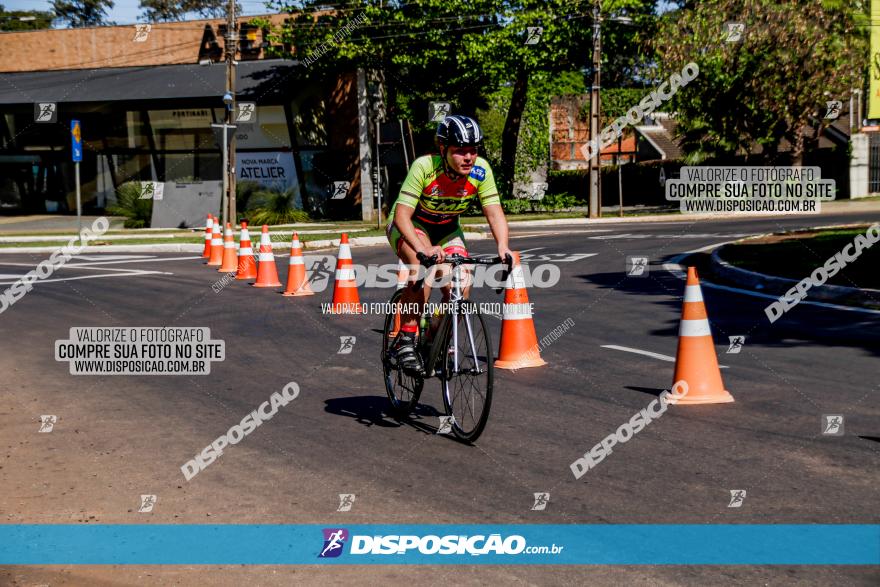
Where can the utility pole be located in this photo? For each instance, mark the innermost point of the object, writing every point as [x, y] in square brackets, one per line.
[231, 50]
[595, 210]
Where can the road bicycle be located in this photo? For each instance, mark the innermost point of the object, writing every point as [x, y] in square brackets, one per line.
[458, 351]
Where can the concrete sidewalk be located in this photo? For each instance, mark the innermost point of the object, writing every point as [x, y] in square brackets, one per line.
[475, 231]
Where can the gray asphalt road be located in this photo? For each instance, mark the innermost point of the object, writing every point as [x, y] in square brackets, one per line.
[119, 437]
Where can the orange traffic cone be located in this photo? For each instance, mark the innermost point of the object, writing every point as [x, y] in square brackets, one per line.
[345, 293]
[208, 229]
[216, 258]
[247, 266]
[297, 283]
[267, 274]
[695, 361]
[230, 259]
[519, 343]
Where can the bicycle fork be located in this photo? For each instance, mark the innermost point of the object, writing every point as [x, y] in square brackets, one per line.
[457, 299]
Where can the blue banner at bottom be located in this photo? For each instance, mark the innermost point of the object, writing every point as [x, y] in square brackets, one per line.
[423, 544]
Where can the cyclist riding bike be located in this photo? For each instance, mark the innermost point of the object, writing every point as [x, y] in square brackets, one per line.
[436, 191]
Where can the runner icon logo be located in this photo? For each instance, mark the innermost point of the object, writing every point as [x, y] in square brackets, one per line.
[147, 503]
[438, 111]
[320, 270]
[541, 500]
[534, 35]
[346, 500]
[734, 31]
[141, 32]
[445, 426]
[637, 266]
[47, 423]
[334, 540]
[45, 112]
[246, 111]
[832, 109]
[736, 344]
[346, 345]
[832, 425]
[737, 497]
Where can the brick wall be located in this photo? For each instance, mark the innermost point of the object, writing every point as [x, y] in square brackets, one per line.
[568, 133]
[110, 46]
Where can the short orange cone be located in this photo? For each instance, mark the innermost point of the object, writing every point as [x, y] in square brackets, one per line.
[695, 361]
[230, 259]
[345, 293]
[216, 258]
[247, 266]
[297, 283]
[267, 274]
[208, 230]
[519, 343]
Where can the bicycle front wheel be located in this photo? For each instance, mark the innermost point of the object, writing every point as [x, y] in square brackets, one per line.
[467, 372]
[403, 390]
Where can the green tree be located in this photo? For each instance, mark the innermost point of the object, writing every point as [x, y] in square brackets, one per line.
[457, 51]
[24, 20]
[82, 13]
[161, 10]
[770, 85]
[207, 8]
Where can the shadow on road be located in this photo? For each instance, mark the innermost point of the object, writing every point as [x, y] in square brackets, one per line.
[373, 410]
[649, 390]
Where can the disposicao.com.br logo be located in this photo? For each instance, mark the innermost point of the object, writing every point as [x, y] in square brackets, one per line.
[453, 544]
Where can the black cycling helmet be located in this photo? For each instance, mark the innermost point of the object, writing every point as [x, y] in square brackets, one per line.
[459, 131]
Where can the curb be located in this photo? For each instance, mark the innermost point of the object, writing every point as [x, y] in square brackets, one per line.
[364, 241]
[659, 218]
[778, 286]
[158, 248]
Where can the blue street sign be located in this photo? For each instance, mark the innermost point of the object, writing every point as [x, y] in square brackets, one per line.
[76, 140]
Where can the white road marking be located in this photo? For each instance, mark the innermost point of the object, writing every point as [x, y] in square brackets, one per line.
[555, 232]
[627, 349]
[679, 271]
[628, 235]
[112, 257]
[127, 274]
[90, 266]
[145, 260]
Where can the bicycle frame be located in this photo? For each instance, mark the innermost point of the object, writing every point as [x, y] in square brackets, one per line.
[437, 350]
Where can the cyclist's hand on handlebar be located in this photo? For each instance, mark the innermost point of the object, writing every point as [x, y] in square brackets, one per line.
[436, 252]
[506, 255]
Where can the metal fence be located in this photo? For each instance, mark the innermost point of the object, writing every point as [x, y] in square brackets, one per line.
[874, 164]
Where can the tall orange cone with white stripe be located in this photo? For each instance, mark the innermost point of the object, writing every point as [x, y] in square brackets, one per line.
[519, 343]
[695, 361]
[247, 266]
[297, 283]
[209, 228]
[230, 259]
[216, 258]
[267, 274]
[345, 293]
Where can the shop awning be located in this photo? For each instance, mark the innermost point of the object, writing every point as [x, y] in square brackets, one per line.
[258, 81]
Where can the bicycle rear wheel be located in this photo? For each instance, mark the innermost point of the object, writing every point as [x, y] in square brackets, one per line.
[467, 372]
[403, 390]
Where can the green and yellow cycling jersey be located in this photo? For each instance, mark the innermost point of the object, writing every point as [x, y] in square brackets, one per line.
[437, 198]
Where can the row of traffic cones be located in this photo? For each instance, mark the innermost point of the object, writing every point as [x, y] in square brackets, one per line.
[222, 254]
[696, 362]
